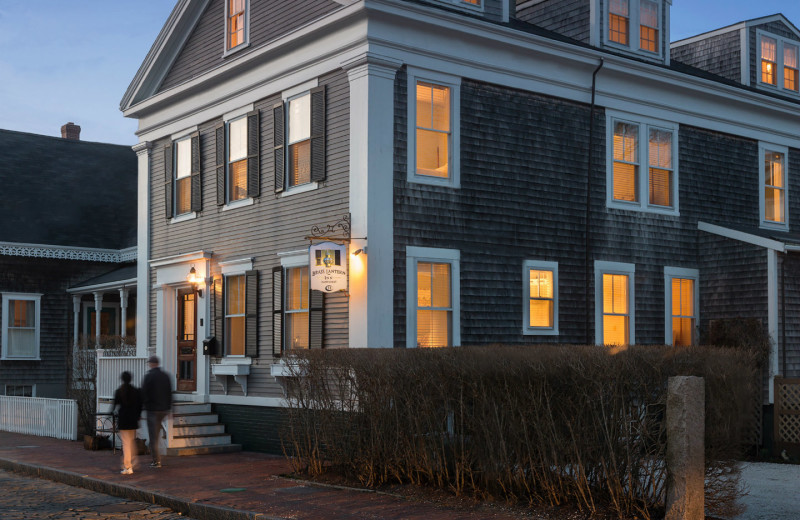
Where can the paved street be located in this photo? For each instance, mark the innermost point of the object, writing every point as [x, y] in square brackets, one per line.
[23, 498]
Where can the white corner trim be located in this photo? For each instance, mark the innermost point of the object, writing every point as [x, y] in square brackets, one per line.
[741, 236]
[299, 89]
[238, 112]
[237, 266]
[88, 254]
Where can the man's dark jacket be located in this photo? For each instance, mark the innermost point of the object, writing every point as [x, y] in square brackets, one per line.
[156, 391]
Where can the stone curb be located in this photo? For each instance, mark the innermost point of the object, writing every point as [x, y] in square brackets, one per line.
[192, 509]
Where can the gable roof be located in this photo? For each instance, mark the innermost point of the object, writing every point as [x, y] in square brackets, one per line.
[778, 17]
[66, 192]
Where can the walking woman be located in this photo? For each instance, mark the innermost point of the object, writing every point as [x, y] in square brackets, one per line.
[129, 401]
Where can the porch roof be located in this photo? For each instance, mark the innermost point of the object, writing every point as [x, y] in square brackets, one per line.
[123, 277]
[782, 241]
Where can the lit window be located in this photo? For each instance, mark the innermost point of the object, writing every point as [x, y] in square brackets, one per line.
[299, 124]
[472, 2]
[614, 303]
[768, 60]
[433, 297]
[20, 334]
[680, 290]
[296, 309]
[237, 159]
[433, 130]
[772, 172]
[235, 314]
[236, 21]
[790, 67]
[183, 173]
[540, 297]
[632, 146]
[648, 28]
[618, 21]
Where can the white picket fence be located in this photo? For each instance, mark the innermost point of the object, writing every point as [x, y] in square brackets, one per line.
[109, 370]
[39, 416]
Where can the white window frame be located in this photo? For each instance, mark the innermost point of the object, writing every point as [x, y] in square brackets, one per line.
[779, 77]
[187, 214]
[416, 75]
[292, 260]
[682, 273]
[237, 267]
[35, 297]
[541, 265]
[644, 124]
[602, 267]
[247, 201]
[633, 28]
[414, 255]
[286, 96]
[246, 43]
[763, 148]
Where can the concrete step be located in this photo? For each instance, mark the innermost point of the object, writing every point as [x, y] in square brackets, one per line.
[203, 450]
[180, 408]
[197, 429]
[194, 418]
[211, 439]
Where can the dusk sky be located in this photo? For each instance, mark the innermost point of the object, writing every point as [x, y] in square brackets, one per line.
[71, 60]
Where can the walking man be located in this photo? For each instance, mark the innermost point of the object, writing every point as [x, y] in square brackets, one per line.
[157, 397]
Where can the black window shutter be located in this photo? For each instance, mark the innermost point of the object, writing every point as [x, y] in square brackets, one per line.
[168, 180]
[197, 193]
[278, 141]
[219, 314]
[316, 315]
[253, 155]
[251, 314]
[219, 146]
[277, 311]
[318, 134]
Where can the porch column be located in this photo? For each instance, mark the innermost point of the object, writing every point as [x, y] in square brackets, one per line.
[371, 77]
[123, 305]
[143, 247]
[98, 310]
[76, 312]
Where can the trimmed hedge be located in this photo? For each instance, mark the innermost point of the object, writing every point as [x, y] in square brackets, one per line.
[546, 425]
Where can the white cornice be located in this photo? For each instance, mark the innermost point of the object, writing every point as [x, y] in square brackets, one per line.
[88, 254]
[179, 259]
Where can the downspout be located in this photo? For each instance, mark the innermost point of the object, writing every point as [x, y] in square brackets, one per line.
[587, 243]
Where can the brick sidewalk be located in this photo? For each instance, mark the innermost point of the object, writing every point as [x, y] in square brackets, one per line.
[225, 486]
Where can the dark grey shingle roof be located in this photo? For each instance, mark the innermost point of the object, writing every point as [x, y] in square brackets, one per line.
[127, 272]
[63, 192]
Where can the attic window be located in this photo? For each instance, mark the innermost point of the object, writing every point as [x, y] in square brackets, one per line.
[634, 25]
[236, 26]
[778, 59]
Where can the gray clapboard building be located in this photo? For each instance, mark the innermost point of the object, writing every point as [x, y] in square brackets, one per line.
[67, 254]
[544, 171]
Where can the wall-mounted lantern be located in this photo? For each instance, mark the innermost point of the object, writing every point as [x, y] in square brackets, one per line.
[195, 280]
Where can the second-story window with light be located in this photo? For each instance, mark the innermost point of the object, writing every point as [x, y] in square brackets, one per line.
[299, 126]
[237, 159]
[648, 25]
[236, 19]
[619, 21]
[433, 130]
[768, 60]
[183, 172]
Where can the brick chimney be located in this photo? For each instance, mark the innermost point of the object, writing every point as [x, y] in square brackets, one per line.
[71, 131]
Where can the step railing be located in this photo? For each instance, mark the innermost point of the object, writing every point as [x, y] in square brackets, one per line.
[39, 416]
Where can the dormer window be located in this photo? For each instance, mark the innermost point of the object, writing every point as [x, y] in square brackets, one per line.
[634, 25]
[236, 26]
[778, 59]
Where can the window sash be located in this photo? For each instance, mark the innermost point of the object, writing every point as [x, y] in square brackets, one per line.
[790, 67]
[616, 309]
[434, 304]
[237, 159]
[21, 327]
[296, 307]
[541, 298]
[769, 55]
[235, 290]
[626, 162]
[774, 186]
[236, 22]
[648, 25]
[683, 312]
[433, 129]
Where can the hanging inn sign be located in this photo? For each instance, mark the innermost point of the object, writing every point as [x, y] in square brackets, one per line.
[328, 267]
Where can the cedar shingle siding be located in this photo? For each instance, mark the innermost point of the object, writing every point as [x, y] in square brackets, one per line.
[567, 17]
[720, 54]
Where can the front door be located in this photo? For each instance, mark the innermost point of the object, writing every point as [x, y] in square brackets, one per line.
[187, 340]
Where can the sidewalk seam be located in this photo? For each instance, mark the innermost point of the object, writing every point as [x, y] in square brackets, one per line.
[184, 507]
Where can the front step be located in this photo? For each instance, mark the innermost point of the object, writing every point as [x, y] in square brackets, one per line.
[197, 431]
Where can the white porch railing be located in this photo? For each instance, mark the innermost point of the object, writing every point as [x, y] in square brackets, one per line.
[109, 370]
[39, 416]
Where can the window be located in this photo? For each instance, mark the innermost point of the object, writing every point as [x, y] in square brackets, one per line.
[433, 128]
[296, 319]
[473, 5]
[681, 297]
[299, 140]
[236, 24]
[778, 58]
[234, 315]
[238, 158]
[772, 173]
[433, 307]
[182, 182]
[19, 390]
[635, 25]
[297, 311]
[235, 310]
[21, 326]
[614, 303]
[642, 164]
[540, 298]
